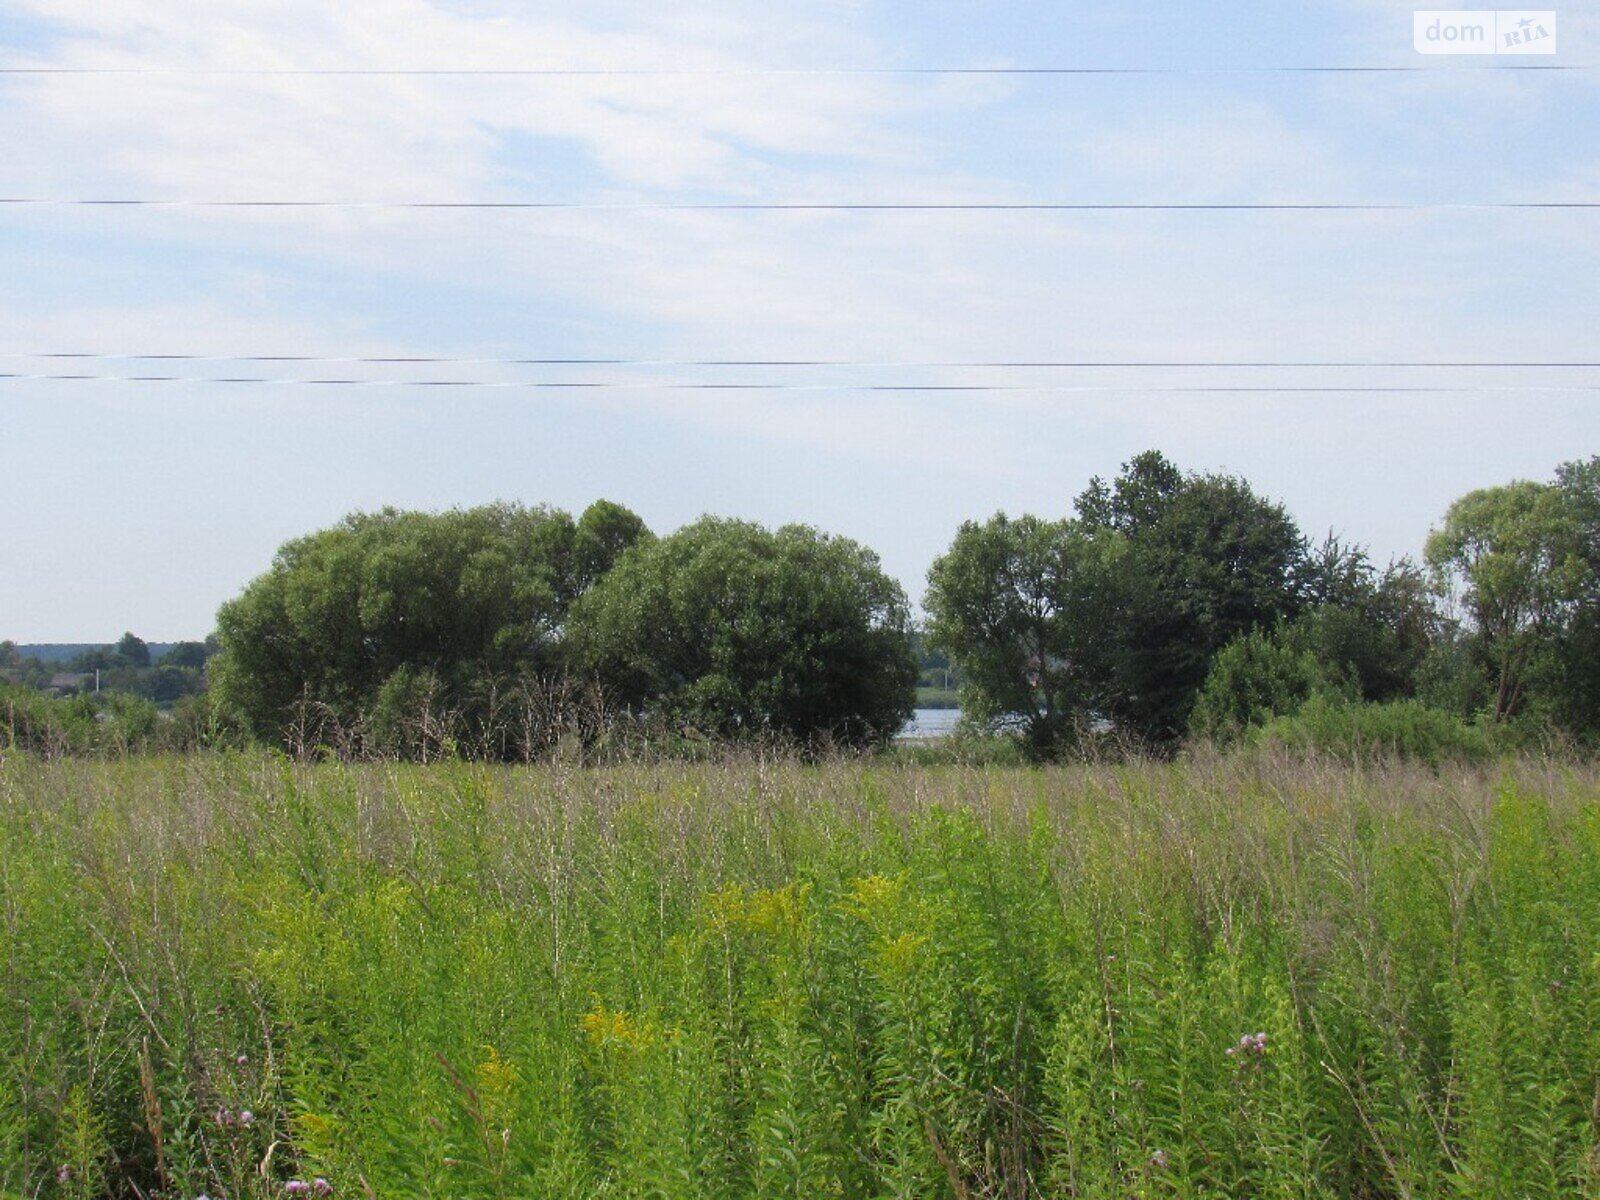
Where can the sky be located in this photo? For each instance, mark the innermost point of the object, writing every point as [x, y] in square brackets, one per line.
[144, 505]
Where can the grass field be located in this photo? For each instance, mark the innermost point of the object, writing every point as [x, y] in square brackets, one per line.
[242, 978]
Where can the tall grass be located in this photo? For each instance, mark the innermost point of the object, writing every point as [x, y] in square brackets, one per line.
[1263, 978]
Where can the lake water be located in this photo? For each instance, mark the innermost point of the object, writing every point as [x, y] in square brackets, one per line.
[929, 723]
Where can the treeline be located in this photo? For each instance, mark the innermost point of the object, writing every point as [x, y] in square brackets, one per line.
[1167, 606]
[129, 665]
[113, 699]
[1172, 605]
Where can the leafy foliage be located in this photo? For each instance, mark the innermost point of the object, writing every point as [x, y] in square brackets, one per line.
[1118, 614]
[1368, 732]
[1254, 678]
[735, 631]
[384, 606]
[1023, 606]
[1514, 556]
[1208, 562]
[109, 725]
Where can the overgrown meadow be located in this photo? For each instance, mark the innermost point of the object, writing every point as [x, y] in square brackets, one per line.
[240, 977]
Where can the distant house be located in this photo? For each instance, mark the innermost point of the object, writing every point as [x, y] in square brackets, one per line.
[66, 684]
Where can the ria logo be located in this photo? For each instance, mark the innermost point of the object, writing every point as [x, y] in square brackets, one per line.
[1484, 31]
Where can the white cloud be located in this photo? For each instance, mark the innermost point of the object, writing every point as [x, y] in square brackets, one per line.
[928, 286]
[418, 137]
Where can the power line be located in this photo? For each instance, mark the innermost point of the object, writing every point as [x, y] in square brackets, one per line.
[757, 72]
[904, 364]
[752, 206]
[617, 385]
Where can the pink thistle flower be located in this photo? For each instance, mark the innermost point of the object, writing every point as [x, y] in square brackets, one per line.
[247, 1117]
[321, 1186]
[297, 1187]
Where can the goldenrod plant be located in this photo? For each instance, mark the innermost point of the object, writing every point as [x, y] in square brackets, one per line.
[240, 977]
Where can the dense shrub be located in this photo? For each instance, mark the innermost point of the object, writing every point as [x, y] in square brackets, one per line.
[1253, 679]
[1401, 728]
[110, 725]
[37, 724]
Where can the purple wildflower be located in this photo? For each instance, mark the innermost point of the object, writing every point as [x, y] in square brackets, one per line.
[297, 1187]
[64, 1174]
[1250, 1043]
[321, 1186]
[247, 1117]
[1159, 1159]
[242, 1060]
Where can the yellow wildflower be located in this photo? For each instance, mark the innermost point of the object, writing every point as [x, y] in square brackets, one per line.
[778, 910]
[726, 908]
[605, 1027]
[873, 896]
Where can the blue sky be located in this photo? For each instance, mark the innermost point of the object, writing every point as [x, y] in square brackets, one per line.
[143, 506]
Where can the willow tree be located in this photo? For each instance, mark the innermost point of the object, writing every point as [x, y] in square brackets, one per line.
[1512, 558]
[388, 613]
[735, 630]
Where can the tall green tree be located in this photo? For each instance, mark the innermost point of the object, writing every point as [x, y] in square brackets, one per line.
[1573, 673]
[603, 532]
[1511, 557]
[367, 611]
[1136, 499]
[1368, 631]
[1022, 606]
[1207, 559]
[133, 651]
[1119, 613]
[191, 655]
[735, 630]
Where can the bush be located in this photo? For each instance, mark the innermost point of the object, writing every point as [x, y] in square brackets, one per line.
[1254, 678]
[115, 723]
[127, 723]
[33, 723]
[196, 723]
[1398, 729]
